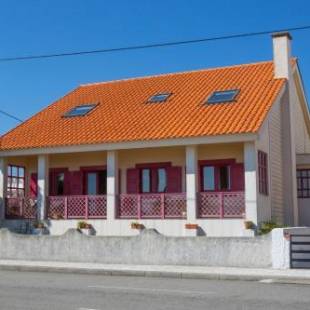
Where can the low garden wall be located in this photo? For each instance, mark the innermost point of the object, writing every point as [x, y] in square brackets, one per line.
[149, 247]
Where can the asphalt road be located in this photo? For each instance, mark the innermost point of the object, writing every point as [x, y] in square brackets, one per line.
[40, 291]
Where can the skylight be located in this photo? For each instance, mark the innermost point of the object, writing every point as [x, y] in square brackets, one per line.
[159, 97]
[80, 110]
[223, 96]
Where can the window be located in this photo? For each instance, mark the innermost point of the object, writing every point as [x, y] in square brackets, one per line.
[16, 181]
[80, 110]
[159, 97]
[146, 180]
[60, 183]
[303, 183]
[153, 180]
[216, 177]
[262, 173]
[96, 182]
[223, 96]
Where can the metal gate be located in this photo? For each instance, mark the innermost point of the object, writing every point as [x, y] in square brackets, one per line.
[300, 251]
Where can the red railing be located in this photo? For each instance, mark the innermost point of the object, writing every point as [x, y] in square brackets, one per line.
[221, 205]
[20, 208]
[77, 207]
[152, 206]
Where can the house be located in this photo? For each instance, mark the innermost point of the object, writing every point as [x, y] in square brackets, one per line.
[209, 149]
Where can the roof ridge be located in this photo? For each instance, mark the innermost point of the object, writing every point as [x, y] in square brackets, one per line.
[174, 73]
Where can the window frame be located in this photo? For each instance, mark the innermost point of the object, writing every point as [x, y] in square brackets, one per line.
[153, 100]
[217, 164]
[97, 170]
[91, 105]
[215, 101]
[302, 189]
[10, 176]
[263, 175]
[152, 167]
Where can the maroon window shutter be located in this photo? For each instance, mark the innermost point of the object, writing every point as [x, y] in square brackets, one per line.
[76, 183]
[174, 179]
[33, 185]
[133, 178]
[237, 177]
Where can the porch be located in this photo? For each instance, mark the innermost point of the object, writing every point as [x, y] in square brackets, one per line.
[164, 188]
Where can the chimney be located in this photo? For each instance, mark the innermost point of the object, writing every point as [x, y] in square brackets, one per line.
[281, 54]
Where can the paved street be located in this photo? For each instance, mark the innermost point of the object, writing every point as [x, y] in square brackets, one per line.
[38, 291]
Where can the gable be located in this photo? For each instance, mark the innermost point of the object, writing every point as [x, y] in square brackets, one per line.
[301, 116]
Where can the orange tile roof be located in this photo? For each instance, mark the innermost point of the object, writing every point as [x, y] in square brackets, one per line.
[123, 114]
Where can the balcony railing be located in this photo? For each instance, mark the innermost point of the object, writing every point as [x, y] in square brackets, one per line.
[152, 206]
[221, 205]
[77, 207]
[20, 208]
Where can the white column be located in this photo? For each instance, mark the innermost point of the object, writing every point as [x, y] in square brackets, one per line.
[191, 183]
[3, 185]
[43, 177]
[112, 184]
[250, 175]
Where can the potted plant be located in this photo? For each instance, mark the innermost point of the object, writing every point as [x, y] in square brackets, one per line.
[191, 226]
[249, 225]
[39, 228]
[137, 225]
[85, 228]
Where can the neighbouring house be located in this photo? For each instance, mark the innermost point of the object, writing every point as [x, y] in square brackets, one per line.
[209, 149]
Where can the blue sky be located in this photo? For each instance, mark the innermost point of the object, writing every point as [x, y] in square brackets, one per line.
[45, 26]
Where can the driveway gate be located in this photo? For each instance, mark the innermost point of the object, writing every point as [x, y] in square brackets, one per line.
[300, 251]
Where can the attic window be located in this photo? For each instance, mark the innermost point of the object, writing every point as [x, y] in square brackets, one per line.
[80, 110]
[159, 97]
[223, 96]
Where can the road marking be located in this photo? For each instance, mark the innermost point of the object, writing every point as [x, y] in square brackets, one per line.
[86, 309]
[152, 290]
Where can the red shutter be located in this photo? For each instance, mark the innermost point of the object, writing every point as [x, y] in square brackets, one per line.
[237, 177]
[133, 183]
[33, 185]
[76, 182]
[174, 179]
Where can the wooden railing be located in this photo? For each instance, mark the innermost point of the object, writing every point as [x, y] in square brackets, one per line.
[221, 205]
[152, 206]
[77, 207]
[20, 208]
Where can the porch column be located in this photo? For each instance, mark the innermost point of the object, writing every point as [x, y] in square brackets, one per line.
[43, 163]
[3, 185]
[250, 175]
[191, 183]
[112, 184]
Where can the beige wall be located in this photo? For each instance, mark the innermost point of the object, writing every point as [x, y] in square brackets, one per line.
[129, 158]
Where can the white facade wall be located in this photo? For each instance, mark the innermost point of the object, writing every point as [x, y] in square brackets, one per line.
[276, 163]
[263, 201]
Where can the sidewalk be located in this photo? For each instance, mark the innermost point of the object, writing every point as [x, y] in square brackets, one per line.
[190, 272]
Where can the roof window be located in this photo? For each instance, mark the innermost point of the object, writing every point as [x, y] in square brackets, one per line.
[161, 97]
[80, 110]
[223, 96]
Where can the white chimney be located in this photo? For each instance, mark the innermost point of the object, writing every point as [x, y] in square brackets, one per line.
[281, 54]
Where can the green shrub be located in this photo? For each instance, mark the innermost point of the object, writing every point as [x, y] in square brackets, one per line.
[267, 227]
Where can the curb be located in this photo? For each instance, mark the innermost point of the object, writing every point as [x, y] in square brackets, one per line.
[155, 273]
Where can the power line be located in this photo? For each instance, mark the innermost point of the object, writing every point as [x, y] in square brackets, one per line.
[154, 45]
[11, 116]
